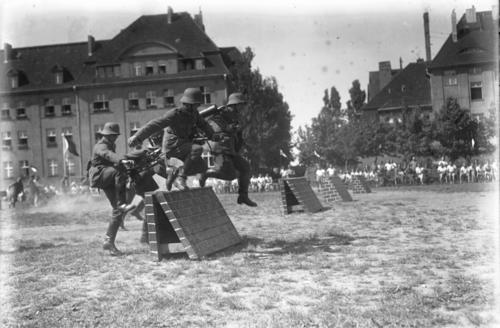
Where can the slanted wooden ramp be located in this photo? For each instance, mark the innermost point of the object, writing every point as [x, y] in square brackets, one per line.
[191, 221]
[298, 191]
[359, 185]
[333, 189]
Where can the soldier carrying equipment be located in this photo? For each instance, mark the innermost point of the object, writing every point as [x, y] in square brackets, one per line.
[179, 125]
[229, 141]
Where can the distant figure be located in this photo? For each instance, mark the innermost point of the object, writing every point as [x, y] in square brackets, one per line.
[34, 187]
[15, 190]
[65, 184]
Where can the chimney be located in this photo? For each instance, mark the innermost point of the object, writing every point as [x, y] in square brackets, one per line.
[90, 45]
[170, 13]
[400, 63]
[385, 73]
[7, 52]
[454, 26]
[470, 15]
[427, 36]
[198, 19]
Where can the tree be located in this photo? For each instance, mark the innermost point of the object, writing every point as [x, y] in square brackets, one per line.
[266, 118]
[357, 100]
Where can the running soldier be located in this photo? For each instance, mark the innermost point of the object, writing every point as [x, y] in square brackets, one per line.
[107, 173]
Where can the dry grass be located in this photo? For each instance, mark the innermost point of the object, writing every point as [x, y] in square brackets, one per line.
[408, 257]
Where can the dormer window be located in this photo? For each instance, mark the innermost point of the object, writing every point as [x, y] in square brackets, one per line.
[162, 68]
[59, 77]
[149, 69]
[199, 64]
[14, 82]
[14, 78]
[138, 70]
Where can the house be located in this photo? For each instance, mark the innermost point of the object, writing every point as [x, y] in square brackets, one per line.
[379, 79]
[72, 89]
[408, 89]
[466, 66]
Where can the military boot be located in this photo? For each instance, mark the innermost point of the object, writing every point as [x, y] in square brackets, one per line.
[109, 245]
[243, 199]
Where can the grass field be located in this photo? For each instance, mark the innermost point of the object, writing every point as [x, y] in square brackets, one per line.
[424, 256]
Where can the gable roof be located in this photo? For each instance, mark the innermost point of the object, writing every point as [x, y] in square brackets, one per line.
[410, 87]
[183, 35]
[475, 44]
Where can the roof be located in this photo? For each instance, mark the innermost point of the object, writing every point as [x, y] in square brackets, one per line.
[37, 64]
[410, 87]
[474, 44]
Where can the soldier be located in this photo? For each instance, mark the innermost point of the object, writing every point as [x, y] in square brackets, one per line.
[15, 190]
[230, 140]
[180, 126]
[107, 173]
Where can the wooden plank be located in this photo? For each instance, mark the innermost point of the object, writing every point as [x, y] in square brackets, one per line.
[304, 194]
[194, 218]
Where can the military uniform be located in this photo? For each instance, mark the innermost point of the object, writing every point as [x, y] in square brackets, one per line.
[107, 174]
[228, 163]
[179, 126]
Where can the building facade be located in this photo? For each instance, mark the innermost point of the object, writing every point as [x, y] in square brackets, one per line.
[466, 66]
[73, 89]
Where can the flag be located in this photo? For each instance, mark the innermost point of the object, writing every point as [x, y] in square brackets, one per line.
[69, 145]
[316, 154]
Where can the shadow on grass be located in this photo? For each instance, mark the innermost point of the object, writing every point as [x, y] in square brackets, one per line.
[32, 247]
[258, 246]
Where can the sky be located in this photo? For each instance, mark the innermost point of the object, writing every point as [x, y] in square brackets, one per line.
[308, 46]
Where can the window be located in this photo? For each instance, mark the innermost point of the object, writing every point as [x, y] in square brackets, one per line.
[8, 169]
[207, 99]
[478, 117]
[52, 167]
[66, 107]
[24, 168]
[133, 101]
[100, 72]
[168, 98]
[475, 70]
[199, 64]
[209, 158]
[117, 70]
[476, 91]
[6, 140]
[14, 81]
[5, 112]
[22, 139]
[162, 69]
[151, 99]
[70, 166]
[50, 110]
[59, 77]
[188, 64]
[68, 131]
[97, 131]
[101, 104]
[149, 69]
[109, 71]
[134, 127]
[138, 69]
[450, 78]
[51, 138]
[21, 111]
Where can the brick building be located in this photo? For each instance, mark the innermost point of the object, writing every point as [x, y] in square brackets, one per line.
[466, 66]
[73, 89]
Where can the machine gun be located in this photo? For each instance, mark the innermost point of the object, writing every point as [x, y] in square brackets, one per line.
[139, 162]
[209, 111]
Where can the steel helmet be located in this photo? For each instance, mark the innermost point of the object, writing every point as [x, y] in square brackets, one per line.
[110, 128]
[236, 98]
[191, 96]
